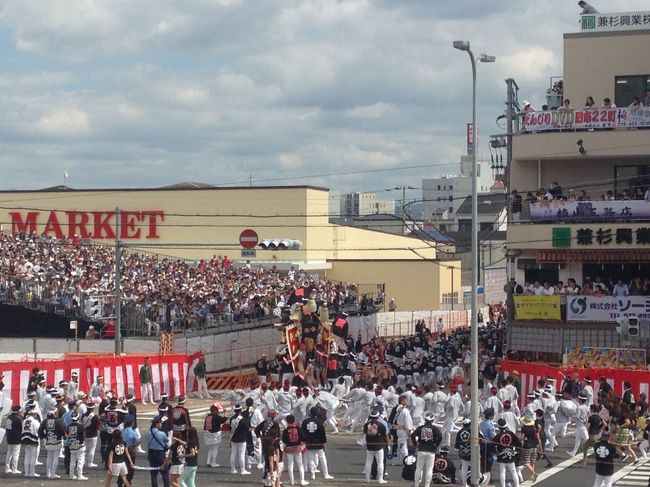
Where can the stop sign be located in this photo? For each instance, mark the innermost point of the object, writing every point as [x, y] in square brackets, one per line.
[248, 239]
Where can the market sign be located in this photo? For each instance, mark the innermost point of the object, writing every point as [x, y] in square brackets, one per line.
[537, 308]
[590, 210]
[586, 119]
[606, 308]
[614, 21]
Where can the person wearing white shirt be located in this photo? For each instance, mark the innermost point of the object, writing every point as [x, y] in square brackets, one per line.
[548, 290]
[538, 289]
[620, 289]
[404, 427]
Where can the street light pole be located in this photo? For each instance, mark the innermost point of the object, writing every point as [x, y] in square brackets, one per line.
[474, 412]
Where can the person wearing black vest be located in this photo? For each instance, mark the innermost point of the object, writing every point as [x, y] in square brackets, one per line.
[181, 418]
[53, 431]
[604, 453]
[507, 446]
[444, 470]
[293, 448]
[165, 411]
[269, 432]
[262, 368]
[464, 446]
[426, 438]
[314, 435]
[212, 433]
[14, 429]
[91, 425]
[239, 430]
[376, 440]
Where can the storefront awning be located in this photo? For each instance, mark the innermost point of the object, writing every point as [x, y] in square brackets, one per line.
[594, 256]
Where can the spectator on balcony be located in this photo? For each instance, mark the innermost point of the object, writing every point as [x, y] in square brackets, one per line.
[538, 289]
[91, 333]
[527, 107]
[636, 103]
[647, 194]
[555, 190]
[620, 289]
[566, 106]
[639, 194]
[586, 8]
[646, 101]
[625, 195]
[636, 287]
[571, 196]
[608, 196]
[584, 196]
[558, 87]
[607, 103]
[589, 103]
[587, 290]
[572, 288]
[599, 284]
[515, 206]
[548, 290]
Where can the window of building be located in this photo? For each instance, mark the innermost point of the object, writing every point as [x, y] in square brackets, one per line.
[628, 87]
[451, 187]
[451, 209]
[631, 177]
[464, 225]
[451, 198]
[438, 187]
[485, 226]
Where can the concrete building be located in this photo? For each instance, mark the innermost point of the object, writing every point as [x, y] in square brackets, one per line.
[362, 204]
[447, 192]
[605, 236]
[200, 222]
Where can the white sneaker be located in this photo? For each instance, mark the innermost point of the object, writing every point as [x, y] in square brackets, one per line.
[16, 471]
[328, 477]
[245, 472]
[313, 475]
[233, 472]
[140, 450]
[36, 475]
[73, 477]
[81, 477]
[260, 466]
[38, 463]
[55, 476]
[381, 481]
[304, 482]
[93, 465]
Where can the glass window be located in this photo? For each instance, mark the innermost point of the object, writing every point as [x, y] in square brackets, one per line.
[451, 198]
[451, 187]
[438, 187]
[630, 86]
[629, 177]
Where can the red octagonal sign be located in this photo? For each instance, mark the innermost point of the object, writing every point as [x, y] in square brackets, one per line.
[248, 239]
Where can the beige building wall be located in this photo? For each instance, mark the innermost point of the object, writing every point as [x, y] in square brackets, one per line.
[414, 285]
[593, 60]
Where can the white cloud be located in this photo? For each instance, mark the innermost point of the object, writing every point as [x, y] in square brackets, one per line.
[153, 92]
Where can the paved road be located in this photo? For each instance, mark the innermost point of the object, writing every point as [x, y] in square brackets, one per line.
[345, 459]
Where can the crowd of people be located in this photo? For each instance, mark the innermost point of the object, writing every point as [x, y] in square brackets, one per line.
[167, 292]
[407, 398]
[596, 286]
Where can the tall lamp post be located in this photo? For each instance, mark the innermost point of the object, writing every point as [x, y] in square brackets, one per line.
[474, 414]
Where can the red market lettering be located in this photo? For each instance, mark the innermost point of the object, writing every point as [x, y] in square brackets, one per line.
[98, 225]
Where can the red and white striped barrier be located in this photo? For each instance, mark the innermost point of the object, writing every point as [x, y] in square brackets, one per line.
[530, 373]
[170, 373]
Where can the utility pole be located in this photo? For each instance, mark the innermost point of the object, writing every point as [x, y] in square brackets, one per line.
[512, 125]
[118, 286]
[250, 180]
[403, 187]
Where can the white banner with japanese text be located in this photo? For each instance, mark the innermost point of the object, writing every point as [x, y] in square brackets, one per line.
[606, 308]
[587, 119]
[590, 210]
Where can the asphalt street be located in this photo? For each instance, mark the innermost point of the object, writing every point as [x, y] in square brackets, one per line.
[345, 459]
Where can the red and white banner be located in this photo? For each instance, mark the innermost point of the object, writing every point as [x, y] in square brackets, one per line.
[587, 119]
[530, 373]
[170, 373]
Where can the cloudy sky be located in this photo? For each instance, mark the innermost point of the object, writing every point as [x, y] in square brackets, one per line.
[146, 93]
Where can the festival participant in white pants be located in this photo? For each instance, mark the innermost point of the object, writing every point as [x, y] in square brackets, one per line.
[464, 446]
[507, 444]
[53, 431]
[29, 441]
[426, 438]
[76, 436]
[566, 409]
[581, 417]
[605, 454]
[330, 404]
[146, 378]
[91, 424]
[14, 430]
[315, 438]
[200, 371]
[376, 441]
[452, 410]
[239, 429]
[294, 446]
[212, 433]
[404, 427]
